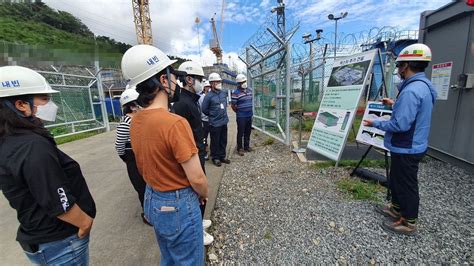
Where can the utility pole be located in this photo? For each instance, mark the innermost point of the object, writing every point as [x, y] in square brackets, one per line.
[332, 17]
[100, 89]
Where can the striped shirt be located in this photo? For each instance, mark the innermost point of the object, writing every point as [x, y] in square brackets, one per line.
[122, 142]
[242, 100]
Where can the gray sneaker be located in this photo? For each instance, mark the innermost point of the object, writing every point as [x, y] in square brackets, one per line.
[388, 211]
[401, 227]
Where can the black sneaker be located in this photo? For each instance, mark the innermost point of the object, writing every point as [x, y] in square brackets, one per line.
[227, 161]
[248, 149]
[216, 162]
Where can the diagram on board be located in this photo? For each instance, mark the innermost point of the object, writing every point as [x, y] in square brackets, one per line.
[371, 135]
[352, 74]
[334, 120]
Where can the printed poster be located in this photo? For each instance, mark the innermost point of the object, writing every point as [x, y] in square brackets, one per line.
[441, 78]
[339, 104]
[371, 135]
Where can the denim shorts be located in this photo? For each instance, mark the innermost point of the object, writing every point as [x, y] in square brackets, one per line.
[177, 222]
[68, 251]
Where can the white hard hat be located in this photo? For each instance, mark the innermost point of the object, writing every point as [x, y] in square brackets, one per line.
[142, 61]
[214, 77]
[128, 95]
[241, 78]
[415, 52]
[192, 68]
[17, 80]
[207, 84]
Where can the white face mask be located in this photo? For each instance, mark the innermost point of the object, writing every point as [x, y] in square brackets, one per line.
[219, 86]
[198, 86]
[244, 85]
[47, 112]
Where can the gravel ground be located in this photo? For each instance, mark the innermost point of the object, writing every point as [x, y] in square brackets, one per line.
[273, 209]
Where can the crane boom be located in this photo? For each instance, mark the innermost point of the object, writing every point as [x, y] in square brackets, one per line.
[221, 25]
[215, 43]
[141, 14]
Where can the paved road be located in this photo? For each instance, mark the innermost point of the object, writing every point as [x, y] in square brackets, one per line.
[119, 236]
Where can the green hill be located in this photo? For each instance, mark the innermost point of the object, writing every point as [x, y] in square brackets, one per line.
[45, 34]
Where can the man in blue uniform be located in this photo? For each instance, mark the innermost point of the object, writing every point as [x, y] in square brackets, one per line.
[214, 106]
[242, 106]
[406, 137]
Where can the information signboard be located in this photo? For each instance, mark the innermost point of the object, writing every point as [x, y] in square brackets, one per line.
[339, 103]
[441, 77]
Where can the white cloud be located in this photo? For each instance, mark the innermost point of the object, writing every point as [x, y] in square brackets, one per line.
[399, 13]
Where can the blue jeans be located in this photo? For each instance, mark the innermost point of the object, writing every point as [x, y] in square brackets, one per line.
[176, 219]
[69, 251]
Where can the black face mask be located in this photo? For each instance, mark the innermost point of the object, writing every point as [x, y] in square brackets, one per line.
[177, 93]
[177, 89]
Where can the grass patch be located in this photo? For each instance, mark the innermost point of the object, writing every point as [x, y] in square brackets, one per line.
[268, 141]
[306, 124]
[79, 136]
[355, 125]
[348, 163]
[360, 190]
[267, 235]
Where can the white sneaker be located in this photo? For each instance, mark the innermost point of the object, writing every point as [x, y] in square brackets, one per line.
[206, 224]
[208, 239]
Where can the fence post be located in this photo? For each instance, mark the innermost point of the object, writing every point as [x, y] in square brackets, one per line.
[105, 117]
[288, 92]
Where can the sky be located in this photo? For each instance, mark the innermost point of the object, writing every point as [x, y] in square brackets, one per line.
[176, 33]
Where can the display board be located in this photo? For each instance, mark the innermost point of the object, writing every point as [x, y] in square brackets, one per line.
[339, 103]
[371, 135]
[441, 77]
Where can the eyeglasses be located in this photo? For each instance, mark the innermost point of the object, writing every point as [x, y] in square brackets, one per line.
[398, 64]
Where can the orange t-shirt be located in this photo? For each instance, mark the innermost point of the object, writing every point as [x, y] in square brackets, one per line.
[162, 141]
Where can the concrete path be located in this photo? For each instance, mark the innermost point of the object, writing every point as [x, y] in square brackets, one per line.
[119, 236]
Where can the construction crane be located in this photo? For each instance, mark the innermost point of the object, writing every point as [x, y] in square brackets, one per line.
[215, 42]
[141, 14]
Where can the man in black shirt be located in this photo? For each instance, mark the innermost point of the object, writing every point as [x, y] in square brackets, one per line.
[44, 185]
[189, 107]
